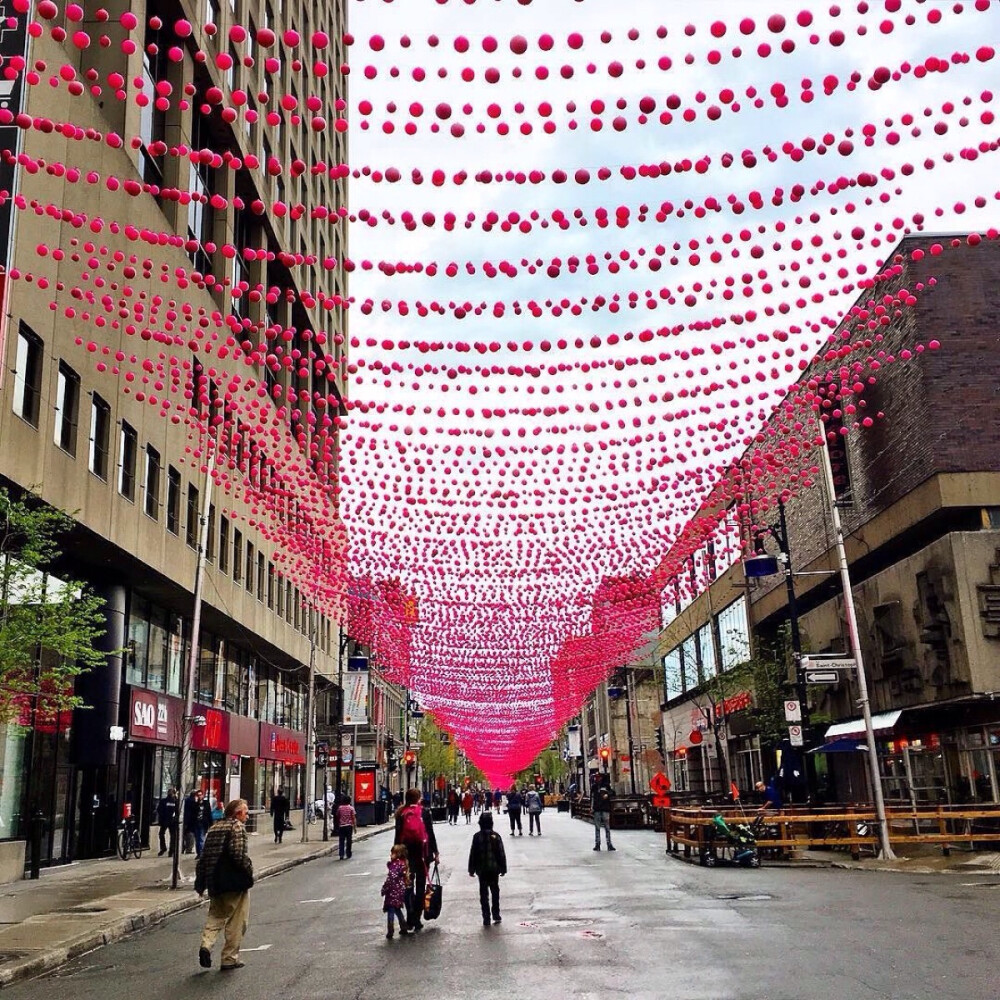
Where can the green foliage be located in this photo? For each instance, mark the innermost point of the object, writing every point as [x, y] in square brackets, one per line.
[549, 764]
[48, 626]
[766, 674]
[434, 757]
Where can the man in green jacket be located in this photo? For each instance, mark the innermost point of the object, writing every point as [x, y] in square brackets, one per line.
[225, 871]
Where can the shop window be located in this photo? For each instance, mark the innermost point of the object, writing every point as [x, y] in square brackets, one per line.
[173, 501]
[206, 670]
[67, 408]
[128, 454]
[138, 643]
[177, 646]
[14, 770]
[28, 375]
[100, 437]
[151, 482]
[156, 674]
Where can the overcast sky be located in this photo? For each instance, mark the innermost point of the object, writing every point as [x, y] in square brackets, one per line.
[394, 535]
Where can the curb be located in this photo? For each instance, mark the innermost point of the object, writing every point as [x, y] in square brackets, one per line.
[123, 927]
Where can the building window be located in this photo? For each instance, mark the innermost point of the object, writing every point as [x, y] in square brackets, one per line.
[67, 408]
[210, 542]
[211, 11]
[201, 215]
[129, 448]
[248, 575]
[151, 478]
[224, 544]
[281, 597]
[28, 375]
[191, 535]
[152, 119]
[173, 501]
[270, 585]
[237, 555]
[100, 437]
[260, 577]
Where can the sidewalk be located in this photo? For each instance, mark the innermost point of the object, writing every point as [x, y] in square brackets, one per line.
[75, 908]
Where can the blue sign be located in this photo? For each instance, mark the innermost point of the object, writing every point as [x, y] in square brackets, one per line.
[357, 663]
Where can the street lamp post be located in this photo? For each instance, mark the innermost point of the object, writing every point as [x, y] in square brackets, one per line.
[886, 851]
[311, 728]
[343, 640]
[189, 682]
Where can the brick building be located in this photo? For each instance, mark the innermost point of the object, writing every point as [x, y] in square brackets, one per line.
[920, 503]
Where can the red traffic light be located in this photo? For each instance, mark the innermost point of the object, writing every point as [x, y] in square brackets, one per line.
[605, 753]
[409, 758]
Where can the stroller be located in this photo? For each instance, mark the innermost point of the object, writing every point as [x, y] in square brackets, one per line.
[732, 845]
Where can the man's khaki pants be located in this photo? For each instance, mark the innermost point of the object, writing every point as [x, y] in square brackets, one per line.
[229, 911]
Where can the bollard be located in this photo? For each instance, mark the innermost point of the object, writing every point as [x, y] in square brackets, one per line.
[37, 829]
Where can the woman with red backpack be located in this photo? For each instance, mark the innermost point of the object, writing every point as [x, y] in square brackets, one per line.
[415, 831]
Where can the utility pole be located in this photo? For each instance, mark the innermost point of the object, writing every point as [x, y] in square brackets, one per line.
[628, 731]
[311, 728]
[189, 681]
[885, 852]
[342, 641]
[406, 736]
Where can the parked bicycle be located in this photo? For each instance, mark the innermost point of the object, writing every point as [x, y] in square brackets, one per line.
[129, 839]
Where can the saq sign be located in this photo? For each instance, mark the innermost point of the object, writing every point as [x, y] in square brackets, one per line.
[152, 718]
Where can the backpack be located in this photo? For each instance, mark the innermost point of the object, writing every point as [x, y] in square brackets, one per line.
[491, 866]
[413, 830]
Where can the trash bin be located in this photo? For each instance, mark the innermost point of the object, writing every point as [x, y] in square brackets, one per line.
[439, 813]
[562, 806]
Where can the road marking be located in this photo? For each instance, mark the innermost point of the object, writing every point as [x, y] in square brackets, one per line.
[260, 947]
[356, 874]
[325, 899]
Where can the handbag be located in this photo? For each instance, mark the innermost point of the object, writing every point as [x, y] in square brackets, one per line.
[228, 876]
[432, 897]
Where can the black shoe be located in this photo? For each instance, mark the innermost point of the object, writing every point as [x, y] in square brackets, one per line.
[403, 931]
[597, 847]
[486, 921]
[160, 854]
[610, 848]
[418, 926]
[204, 958]
[229, 968]
[497, 919]
[389, 933]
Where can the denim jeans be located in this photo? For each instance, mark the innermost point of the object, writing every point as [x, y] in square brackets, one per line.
[602, 819]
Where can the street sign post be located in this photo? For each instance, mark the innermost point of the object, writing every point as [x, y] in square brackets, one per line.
[823, 662]
[795, 735]
[793, 711]
[822, 676]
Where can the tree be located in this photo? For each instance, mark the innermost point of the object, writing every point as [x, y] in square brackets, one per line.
[48, 625]
[435, 756]
[549, 764]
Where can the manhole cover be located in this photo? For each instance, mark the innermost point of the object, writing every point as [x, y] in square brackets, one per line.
[755, 897]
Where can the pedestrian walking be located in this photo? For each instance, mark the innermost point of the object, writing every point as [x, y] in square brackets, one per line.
[534, 804]
[467, 806]
[488, 861]
[514, 805]
[453, 806]
[347, 823]
[477, 801]
[601, 796]
[192, 822]
[497, 799]
[415, 831]
[166, 816]
[394, 890]
[204, 823]
[279, 813]
[225, 872]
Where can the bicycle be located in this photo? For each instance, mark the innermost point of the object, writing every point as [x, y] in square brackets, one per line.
[129, 840]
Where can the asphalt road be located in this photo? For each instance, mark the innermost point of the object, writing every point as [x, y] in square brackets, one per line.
[576, 924]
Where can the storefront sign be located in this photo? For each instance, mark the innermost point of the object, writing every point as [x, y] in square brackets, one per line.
[364, 786]
[244, 735]
[277, 743]
[155, 718]
[736, 703]
[214, 735]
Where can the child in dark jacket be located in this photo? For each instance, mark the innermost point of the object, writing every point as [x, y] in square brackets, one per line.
[394, 889]
[488, 860]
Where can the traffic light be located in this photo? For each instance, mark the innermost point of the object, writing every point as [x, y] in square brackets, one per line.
[409, 758]
[605, 753]
[659, 742]
[539, 781]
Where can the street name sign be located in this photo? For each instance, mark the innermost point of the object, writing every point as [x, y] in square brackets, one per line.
[828, 663]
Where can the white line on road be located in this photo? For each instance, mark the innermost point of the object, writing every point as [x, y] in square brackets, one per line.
[356, 874]
[325, 899]
[260, 947]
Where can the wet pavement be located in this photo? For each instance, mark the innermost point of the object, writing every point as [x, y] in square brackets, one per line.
[579, 924]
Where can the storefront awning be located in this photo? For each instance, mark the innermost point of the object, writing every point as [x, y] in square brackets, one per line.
[855, 727]
[846, 744]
